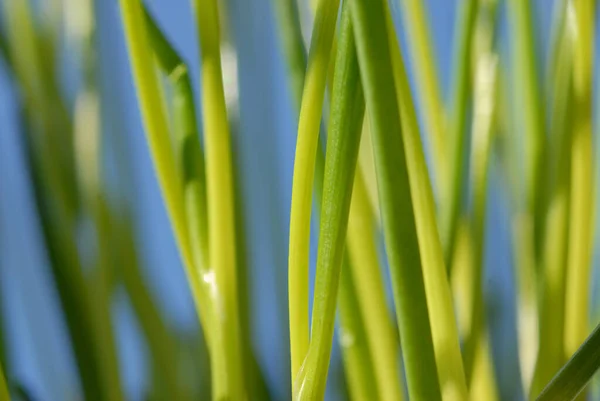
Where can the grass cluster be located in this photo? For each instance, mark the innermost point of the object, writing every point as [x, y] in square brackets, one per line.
[365, 127]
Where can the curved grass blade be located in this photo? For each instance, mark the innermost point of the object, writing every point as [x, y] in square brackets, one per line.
[363, 263]
[221, 208]
[304, 167]
[444, 330]
[340, 164]
[576, 373]
[394, 195]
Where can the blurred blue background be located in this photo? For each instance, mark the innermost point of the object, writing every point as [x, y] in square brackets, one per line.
[264, 141]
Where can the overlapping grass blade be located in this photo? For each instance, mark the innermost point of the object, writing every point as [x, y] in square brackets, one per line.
[576, 373]
[357, 358]
[457, 132]
[398, 217]
[304, 167]
[551, 353]
[582, 208]
[428, 88]
[438, 294]
[340, 165]
[4, 395]
[221, 207]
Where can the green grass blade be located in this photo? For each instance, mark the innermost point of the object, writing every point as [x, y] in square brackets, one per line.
[457, 133]
[221, 212]
[551, 355]
[394, 194]
[290, 34]
[368, 283]
[353, 341]
[527, 89]
[437, 289]
[340, 164]
[576, 373]
[581, 224]
[428, 87]
[304, 167]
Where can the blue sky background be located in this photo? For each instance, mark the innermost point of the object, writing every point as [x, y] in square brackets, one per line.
[264, 142]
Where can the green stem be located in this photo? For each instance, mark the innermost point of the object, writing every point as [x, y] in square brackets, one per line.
[221, 214]
[304, 168]
[4, 395]
[437, 289]
[394, 194]
[340, 164]
[353, 341]
[452, 200]
[428, 87]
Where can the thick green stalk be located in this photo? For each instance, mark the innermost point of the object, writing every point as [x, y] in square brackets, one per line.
[398, 215]
[527, 89]
[582, 170]
[428, 87]
[437, 289]
[304, 168]
[576, 373]
[353, 341]
[551, 353]
[340, 164]
[368, 283]
[457, 133]
[221, 219]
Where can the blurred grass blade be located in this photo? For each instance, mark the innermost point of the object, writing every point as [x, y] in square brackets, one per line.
[457, 132]
[482, 138]
[551, 355]
[221, 206]
[576, 373]
[581, 223]
[340, 164]
[304, 167]
[357, 359]
[398, 216]
[437, 289]
[368, 285]
[4, 396]
[527, 95]
[428, 87]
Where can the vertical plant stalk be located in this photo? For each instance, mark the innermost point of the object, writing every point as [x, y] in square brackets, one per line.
[581, 227]
[525, 66]
[304, 168]
[368, 283]
[457, 133]
[221, 219]
[358, 363]
[362, 253]
[551, 353]
[340, 165]
[398, 215]
[437, 288]
[428, 87]
[483, 130]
